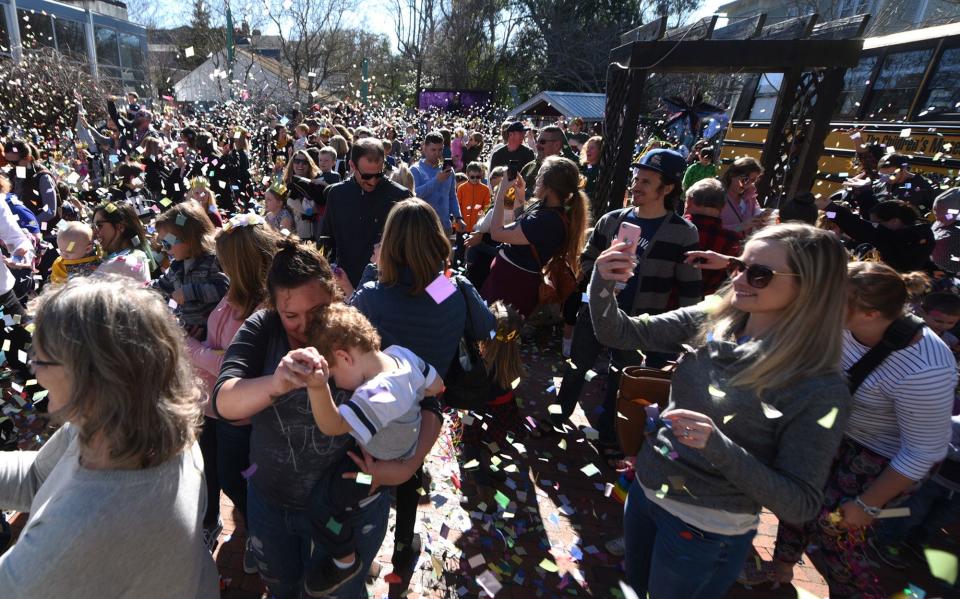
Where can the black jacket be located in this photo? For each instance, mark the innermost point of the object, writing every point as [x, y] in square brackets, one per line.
[905, 250]
[354, 221]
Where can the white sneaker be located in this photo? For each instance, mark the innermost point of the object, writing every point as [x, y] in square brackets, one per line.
[615, 547]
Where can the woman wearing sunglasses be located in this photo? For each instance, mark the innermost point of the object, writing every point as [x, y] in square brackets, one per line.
[747, 421]
[742, 212]
[124, 242]
[305, 198]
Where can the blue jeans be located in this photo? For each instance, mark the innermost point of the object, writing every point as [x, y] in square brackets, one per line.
[281, 538]
[932, 507]
[670, 559]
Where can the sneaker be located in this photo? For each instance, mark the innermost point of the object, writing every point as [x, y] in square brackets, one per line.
[329, 577]
[250, 563]
[888, 554]
[211, 535]
[615, 547]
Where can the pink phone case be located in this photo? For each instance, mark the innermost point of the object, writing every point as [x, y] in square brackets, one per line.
[629, 233]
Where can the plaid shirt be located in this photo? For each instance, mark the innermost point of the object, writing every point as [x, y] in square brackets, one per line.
[714, 237]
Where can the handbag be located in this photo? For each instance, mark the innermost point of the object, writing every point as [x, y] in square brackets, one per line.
[557, 280]
[639, 387]
[467, 383]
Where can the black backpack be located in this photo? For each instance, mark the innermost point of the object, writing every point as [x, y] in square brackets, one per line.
[898, 336]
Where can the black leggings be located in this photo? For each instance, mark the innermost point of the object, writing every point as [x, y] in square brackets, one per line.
[408, 499]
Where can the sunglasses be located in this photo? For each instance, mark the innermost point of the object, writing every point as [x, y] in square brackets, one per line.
[474, 178]
[168, 242]
[758, 275]
[368, 176]
[543, 142]
[299, 161]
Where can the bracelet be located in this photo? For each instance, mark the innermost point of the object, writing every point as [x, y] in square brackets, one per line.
[873, 512]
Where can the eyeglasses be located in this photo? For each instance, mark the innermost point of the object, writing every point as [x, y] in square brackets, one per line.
[168, 242]
[33, 363]
[758, 275]
[368, 176]
[747, 180]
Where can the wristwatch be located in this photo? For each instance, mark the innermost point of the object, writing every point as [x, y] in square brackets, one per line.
[873, 512]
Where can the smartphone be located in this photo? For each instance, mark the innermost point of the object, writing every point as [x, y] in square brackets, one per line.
[513, 169]
[629, 233]
[447, 163]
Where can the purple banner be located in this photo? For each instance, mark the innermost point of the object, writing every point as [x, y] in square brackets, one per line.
[452, 100]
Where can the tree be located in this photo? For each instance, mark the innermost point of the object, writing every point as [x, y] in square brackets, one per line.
[416, 23]
[571, 40]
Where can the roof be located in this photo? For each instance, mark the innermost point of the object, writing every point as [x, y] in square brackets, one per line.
[568, 104]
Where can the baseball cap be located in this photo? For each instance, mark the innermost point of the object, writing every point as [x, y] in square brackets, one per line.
[517, 126]
[669, 163]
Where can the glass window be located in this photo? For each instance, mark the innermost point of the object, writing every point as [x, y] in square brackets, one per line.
[943, 91]
[71, 39]
[107, 50]
[855, 83]
[897, 84]
[131, 51]
[765, 100]
[36, 30]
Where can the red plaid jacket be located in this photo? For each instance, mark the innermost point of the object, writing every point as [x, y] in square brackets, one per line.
[714, 237]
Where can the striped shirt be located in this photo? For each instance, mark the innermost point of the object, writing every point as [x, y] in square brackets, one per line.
[664, 281]
[902, 409]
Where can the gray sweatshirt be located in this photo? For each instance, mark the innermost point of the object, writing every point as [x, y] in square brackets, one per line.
[104, 533]
[778, 457]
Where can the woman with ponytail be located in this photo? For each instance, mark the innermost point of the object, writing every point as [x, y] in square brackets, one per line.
[552, 227]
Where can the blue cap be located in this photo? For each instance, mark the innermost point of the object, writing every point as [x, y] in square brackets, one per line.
[669, 163]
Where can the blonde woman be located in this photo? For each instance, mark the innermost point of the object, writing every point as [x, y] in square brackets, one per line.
[757, 406]
[201, 192]
[123, 472]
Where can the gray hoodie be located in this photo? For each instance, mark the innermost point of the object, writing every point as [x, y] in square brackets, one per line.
[776, 455]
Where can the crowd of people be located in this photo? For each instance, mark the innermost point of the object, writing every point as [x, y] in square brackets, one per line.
[285, 307]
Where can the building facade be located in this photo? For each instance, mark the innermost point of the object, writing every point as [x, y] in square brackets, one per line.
[94, 33]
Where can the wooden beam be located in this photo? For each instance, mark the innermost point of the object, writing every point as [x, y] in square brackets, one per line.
[778, 120]
[648, 32]
[741, 28]
[698, 30]
[757, 56]
[620, 128]
[808, 162]
[841, 29]
[790, 29]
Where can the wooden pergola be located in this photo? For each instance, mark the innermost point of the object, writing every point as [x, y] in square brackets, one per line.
[812, 57]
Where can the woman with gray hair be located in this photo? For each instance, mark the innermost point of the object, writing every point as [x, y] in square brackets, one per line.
[123, 476]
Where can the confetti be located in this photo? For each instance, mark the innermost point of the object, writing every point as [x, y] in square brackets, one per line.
[770, 411]
[441, 288]
[590, 470]
[548, 565]
[364, 479]
[829, 418]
